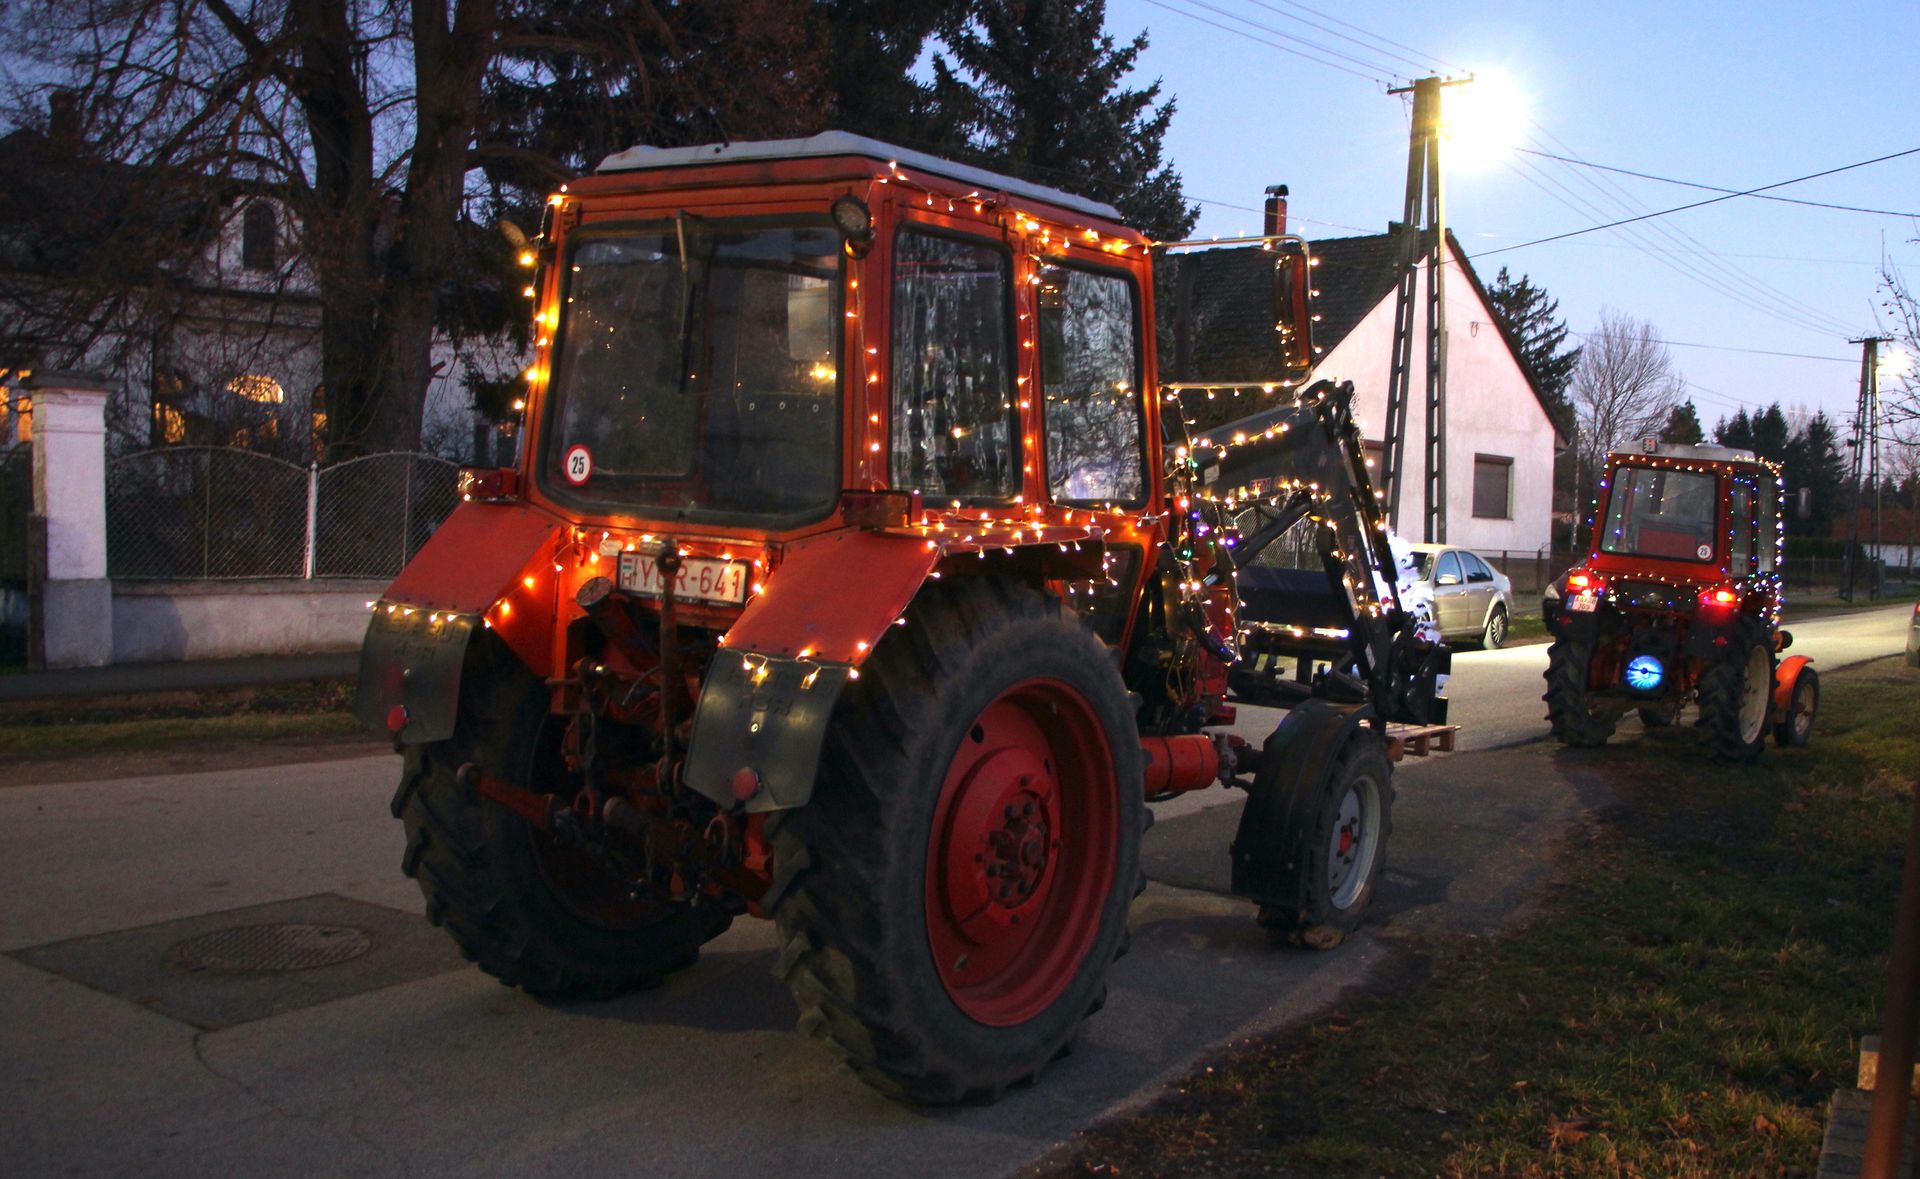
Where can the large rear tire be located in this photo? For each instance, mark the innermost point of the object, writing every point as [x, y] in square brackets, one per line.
[1571, 713]
[526, 910]
[1346, 850]
[1736, 692]
[963, 871]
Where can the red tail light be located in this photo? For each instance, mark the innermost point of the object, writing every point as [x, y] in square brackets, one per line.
[1720, 596]
[1580, 579]
[488, 485]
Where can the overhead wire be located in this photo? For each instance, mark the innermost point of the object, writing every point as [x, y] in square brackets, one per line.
[1759, 196]
[1709, 201]
[1683, 267]
[1815, 318]
[1420, 61]
[1379, 81]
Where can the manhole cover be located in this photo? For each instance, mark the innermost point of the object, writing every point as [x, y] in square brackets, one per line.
[262, 948]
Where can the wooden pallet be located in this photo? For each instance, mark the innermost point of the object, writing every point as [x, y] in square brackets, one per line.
[1420, 740]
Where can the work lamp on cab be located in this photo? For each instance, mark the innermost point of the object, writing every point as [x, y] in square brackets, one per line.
[855, 222]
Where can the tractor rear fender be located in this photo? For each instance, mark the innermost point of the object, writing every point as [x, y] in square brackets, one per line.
[768, 697]
[416, 642]
[1298, 759]
[1784, 677]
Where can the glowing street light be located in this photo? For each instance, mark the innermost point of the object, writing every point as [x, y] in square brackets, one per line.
[1482, 119]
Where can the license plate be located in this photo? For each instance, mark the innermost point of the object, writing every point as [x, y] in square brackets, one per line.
[701, 579]
[1584, 603]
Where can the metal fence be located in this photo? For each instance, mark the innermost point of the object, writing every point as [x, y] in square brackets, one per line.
[208, 513]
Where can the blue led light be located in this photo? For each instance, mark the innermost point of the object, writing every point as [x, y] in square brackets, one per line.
[1644, 673]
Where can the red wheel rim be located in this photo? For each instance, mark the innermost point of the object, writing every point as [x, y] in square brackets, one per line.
[1021, 854]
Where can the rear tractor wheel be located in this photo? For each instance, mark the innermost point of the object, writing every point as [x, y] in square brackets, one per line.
[527, 910]
[971, 850]
[1736, 693]
[1575, 718]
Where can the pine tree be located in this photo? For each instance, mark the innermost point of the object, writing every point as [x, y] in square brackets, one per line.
[869, 48]
[1771, 433]
[1736, 431]
[1041, 87]
[1683, 426]
[1533, 317]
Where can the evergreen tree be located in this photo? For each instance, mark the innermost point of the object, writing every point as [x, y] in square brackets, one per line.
[1770, 433]
[1736, 431]
[868, 49]
[1041, 89]
[1533, 317]
[1683, 426]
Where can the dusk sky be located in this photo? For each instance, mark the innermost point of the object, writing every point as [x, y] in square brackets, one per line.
[1724, 94]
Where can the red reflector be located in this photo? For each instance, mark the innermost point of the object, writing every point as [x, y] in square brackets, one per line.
[745, 783]
[396, 718]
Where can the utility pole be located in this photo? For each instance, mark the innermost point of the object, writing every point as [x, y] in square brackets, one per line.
[1422, 231]
[1866, 458]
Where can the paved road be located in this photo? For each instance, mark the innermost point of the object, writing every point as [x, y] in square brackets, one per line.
[126, 1049]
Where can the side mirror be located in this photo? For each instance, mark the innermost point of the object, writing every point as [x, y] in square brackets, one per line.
[1446, 579]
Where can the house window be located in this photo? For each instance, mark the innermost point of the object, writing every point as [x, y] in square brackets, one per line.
[1492, 487]
[259, 237]
[255, 387]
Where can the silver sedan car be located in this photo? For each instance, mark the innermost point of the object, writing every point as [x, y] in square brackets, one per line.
[1472, 600]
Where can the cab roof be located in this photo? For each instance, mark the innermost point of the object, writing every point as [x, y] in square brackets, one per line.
[845, 143]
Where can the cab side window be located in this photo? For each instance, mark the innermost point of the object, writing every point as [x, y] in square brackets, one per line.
[955, 431]
[1769, 528]
[1740, 521]
[1089, 374]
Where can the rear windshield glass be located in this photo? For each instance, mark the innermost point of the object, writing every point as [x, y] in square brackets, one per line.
[1658, 513]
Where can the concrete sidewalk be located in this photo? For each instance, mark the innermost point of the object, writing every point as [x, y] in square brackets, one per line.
[128, 678]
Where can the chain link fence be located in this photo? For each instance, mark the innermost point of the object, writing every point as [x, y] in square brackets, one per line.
[372, 514]
[189, 513]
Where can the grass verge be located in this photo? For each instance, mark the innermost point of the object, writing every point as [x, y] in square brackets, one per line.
[1683, 1003]
[53, 730]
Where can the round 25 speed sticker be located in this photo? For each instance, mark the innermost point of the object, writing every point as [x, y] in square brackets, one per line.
[577, 465]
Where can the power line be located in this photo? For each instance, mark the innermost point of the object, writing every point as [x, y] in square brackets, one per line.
[1296, 38]
[1686, 269]
[1420, 61]
[1711, 187]
[1697, 204]
[1270, 44]
[1746, 282]
[1847, 360]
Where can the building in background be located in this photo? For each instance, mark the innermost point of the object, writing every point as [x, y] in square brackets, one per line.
[1501, 440]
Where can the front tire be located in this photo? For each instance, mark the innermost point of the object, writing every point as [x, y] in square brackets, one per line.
[966, 863]
[1346, 851]
[1735, 695]
[1797, 728]
[524, 909]
[1573, 716]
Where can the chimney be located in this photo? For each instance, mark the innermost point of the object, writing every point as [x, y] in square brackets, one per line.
[63, 116]
[1276, 210]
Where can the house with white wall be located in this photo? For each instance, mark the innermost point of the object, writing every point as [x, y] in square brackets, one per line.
[1500, 440]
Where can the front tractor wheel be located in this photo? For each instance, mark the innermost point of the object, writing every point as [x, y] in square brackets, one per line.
[1346, 849]
[1736, 693]
[969, 855]
[1575, 718]
[1796, 729]
[527, 910]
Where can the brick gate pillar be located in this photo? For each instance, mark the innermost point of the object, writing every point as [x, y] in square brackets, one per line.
[75, 613]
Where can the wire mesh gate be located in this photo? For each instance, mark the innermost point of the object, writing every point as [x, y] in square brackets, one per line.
[193, 513]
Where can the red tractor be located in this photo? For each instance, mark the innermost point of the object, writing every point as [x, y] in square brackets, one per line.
[849, 578]
[1679, 601]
